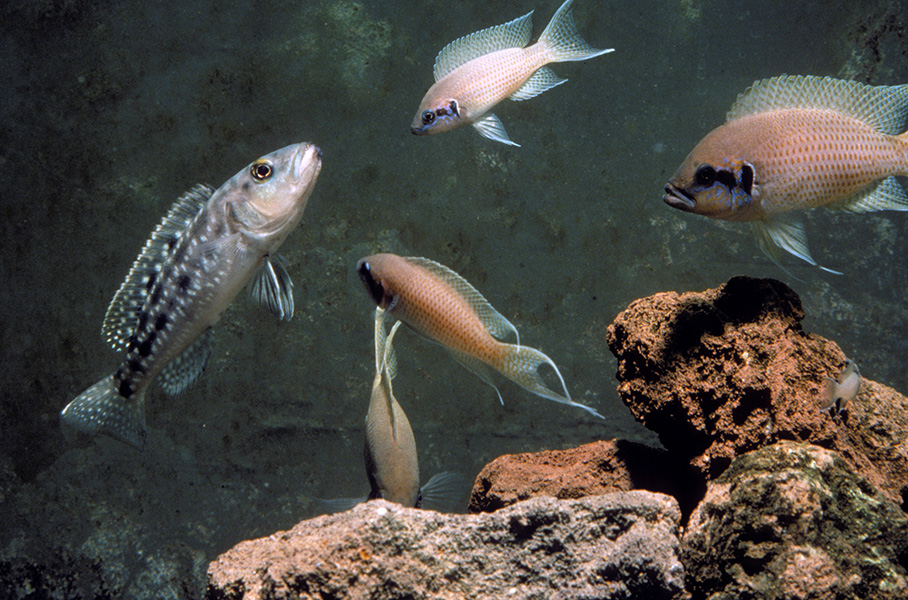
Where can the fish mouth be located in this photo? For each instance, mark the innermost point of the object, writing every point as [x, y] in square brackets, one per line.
[308, 162]
[678, 198]
[418, 130]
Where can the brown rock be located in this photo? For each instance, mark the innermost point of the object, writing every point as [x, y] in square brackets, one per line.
[597, 468]
[621, 545]
[795, 521]
[726, 371]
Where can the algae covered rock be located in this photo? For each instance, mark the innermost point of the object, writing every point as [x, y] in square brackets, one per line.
[794, 521]
[725, 371]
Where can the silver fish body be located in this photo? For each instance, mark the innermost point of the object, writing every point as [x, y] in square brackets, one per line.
[206, 249]
[392, 464]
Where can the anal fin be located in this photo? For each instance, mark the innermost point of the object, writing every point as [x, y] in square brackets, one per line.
[541, 81]
[185, 369]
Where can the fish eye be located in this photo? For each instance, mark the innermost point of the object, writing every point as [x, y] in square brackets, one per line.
[705, 175]
[427, 117]
[261, 171]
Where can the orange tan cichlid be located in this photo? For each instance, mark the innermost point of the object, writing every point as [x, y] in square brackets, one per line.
[792, 143]
[476, 72]
[442, 306]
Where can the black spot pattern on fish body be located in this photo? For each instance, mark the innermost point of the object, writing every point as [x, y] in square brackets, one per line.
[125, 389]
[145, 345]
[136, 365]
[156, 296]
[161, 321]
[143, 321]
[150, 283]
[183, 282]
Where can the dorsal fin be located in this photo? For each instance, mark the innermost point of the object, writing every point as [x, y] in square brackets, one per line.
[514, 34]
[123, 313]
[885, 108]
[497, 325]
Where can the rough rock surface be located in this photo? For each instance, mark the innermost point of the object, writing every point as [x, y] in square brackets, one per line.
[726, 371]
[597, 468]
[621, 545]
[794, 521]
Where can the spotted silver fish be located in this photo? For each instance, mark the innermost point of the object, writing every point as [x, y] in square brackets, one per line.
[204, 251]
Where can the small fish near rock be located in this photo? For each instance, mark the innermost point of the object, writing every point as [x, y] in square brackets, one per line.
[392, 463]
[205, 250]
[476, 72]
[796, 143]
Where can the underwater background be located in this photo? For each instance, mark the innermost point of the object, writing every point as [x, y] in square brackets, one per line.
[110, 110]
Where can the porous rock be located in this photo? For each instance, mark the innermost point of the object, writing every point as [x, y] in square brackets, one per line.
[794, 521]
[621, 545]
[729, 370]
[596, 468]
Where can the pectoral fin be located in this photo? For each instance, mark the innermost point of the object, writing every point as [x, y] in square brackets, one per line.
[490, 126]
[779, 234]
[273, 289]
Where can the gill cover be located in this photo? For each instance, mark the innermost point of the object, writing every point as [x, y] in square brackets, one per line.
[376, 290]
[723, 191]
[441, 118]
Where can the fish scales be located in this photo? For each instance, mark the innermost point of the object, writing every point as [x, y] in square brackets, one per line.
[207, 248]
[476, 72]
[441, 313]
[482, 83]
[442, 306]
[835, 155]
[796, 143]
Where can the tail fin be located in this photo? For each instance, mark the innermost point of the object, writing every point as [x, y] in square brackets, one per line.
[101, 410]
[521, 365]
[563, 40]
[446, 492]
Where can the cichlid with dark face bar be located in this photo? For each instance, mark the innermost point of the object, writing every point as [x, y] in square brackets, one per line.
[205, 250]
[476, 72]
[796, 143]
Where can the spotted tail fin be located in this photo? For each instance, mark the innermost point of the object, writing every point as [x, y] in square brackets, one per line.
[521, 365]
[101, 410]
[563, 40]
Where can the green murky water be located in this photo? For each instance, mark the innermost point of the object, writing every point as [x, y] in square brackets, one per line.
[111, 110]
